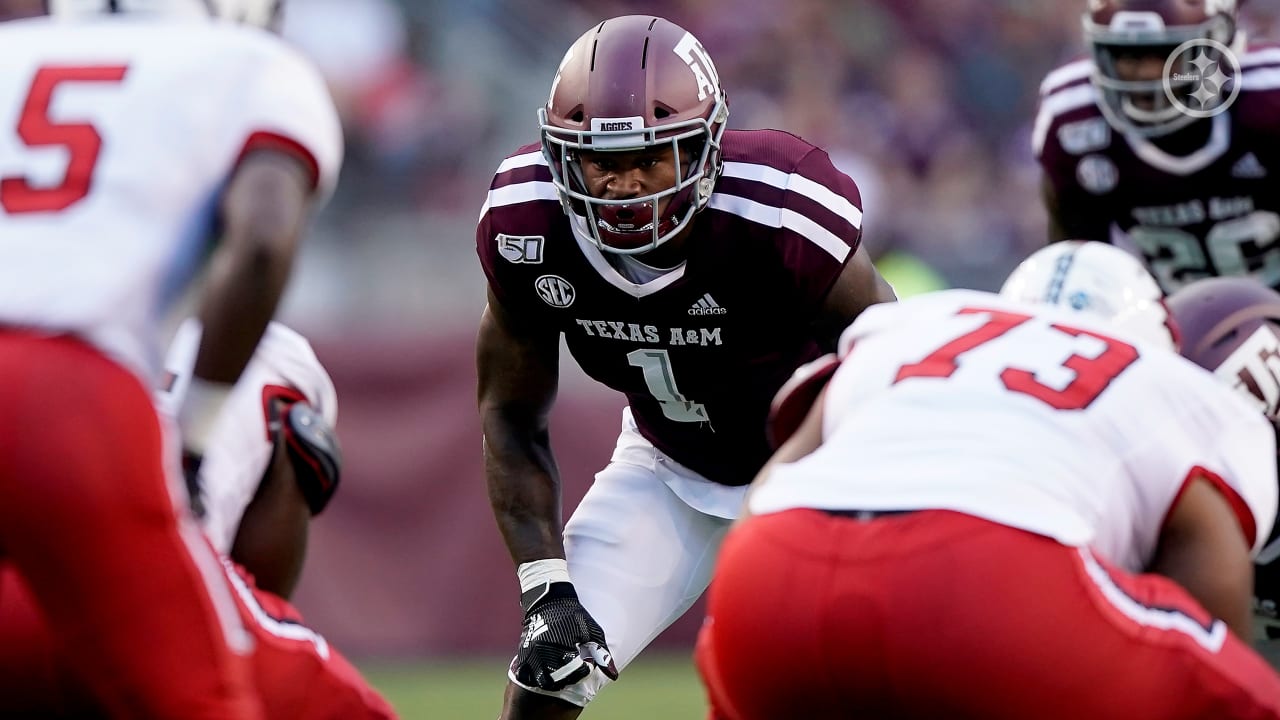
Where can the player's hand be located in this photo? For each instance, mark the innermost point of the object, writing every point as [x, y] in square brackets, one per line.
[191, 462]
[560, 641]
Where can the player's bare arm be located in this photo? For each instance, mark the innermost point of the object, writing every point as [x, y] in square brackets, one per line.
[262, 216]
[1057, 232]
[271, 542]
[1203, 549]
[858, 287]
[518, 372]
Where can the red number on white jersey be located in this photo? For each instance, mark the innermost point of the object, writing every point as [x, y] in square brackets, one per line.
[36, 129]
[1092, 375]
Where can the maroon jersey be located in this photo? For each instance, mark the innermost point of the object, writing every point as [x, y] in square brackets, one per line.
[700, 351]
[1211, 210]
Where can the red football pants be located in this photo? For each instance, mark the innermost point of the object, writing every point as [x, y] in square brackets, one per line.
[936, 614]
[298, 675]
[90, 520]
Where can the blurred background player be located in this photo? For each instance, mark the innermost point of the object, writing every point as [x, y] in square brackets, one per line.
[135, 144]
[1169, 135]
[270, 465]
[1231, 326]
[974, 466]
[691, 268]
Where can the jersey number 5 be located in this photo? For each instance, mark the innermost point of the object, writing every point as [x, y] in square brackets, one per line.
[36, 129]
[1092, 374]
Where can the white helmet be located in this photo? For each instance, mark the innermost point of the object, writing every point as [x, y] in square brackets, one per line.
[261, 13]
[1095, 278]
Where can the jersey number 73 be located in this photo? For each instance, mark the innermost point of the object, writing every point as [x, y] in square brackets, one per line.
[1092, 375]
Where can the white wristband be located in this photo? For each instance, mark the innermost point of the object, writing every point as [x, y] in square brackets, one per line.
[201, 407]
[533, 574]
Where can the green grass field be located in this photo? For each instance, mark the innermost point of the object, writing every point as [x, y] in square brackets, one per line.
[652, 687]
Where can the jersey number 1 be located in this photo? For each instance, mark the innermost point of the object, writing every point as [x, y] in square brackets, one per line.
[656, 366]
[36, 129]
[1093, 375]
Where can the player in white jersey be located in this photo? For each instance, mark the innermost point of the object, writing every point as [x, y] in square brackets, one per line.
[959, 527]
[270, 465]
[129, 145]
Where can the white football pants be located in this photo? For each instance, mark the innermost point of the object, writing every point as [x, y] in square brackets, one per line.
[641, 547]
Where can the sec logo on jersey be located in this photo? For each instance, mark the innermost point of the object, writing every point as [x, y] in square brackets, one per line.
[1097, 174]
[555, 291]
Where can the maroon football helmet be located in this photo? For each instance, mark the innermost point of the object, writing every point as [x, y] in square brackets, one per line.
[1117, 28]
[630, 83]
[1231, 326]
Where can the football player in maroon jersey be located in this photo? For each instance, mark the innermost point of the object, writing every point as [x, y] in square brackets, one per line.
[1167, 138]
[688, 266]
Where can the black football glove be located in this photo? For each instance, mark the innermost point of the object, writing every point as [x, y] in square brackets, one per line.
[313, 448]
[1266, 597]
[560, 642]
[191, 475]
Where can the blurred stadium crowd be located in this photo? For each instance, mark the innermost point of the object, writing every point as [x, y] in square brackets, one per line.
[927, 104]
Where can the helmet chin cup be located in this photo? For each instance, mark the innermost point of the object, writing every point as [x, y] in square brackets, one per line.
[1126, 116]
[628, 227]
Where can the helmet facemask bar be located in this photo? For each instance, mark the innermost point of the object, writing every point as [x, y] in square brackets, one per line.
[1119, 95]
[692, 189]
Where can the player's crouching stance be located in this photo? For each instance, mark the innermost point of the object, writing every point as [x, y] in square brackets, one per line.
[271, 464]
[962, 524]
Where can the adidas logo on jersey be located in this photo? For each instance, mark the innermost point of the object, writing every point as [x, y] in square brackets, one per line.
[1248, 167]
[707, 305]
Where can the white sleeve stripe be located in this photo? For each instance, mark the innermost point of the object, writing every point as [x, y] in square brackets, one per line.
[1261, 79]
[206, 562]
[780, 218]
[1068, 73]
[519, 161]
[518, 193]
[815, 191]
[1058, 104]
[280, 628]
[1260, 57]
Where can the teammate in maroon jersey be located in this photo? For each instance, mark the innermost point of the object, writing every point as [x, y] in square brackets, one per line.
[691, 268]
[1169, 138]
